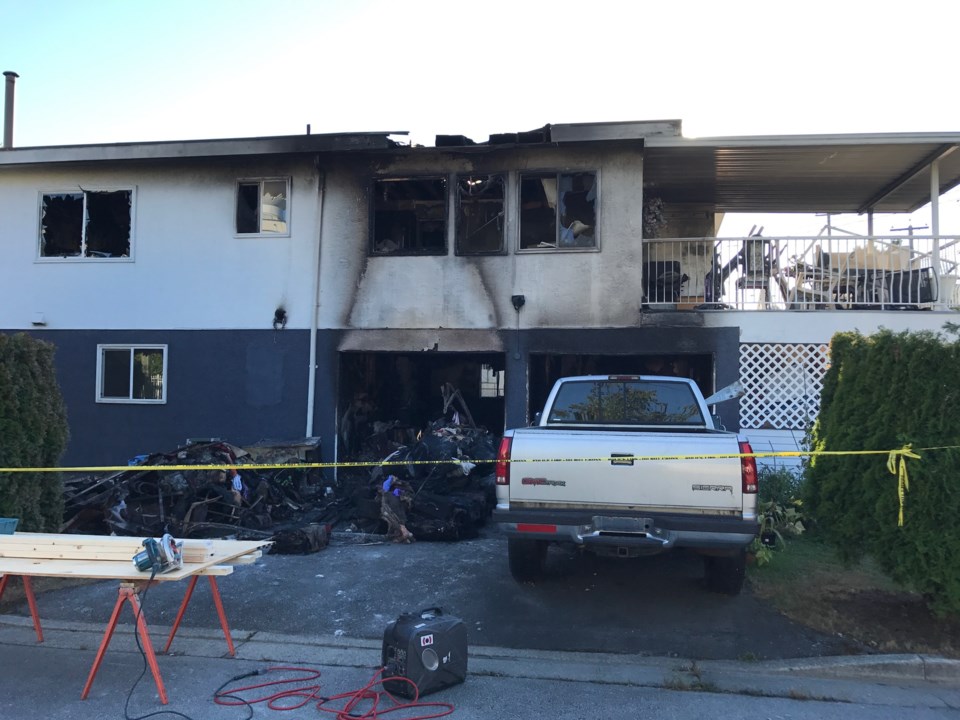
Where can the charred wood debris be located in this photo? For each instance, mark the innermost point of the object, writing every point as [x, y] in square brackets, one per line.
[298, 508]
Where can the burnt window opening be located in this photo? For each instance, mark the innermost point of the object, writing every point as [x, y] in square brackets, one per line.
[262, 207]
[409, 216]
[88, 224]
[480, 214]
[558, 210]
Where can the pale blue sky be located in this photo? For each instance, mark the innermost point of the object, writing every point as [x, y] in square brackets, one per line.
[95, 71]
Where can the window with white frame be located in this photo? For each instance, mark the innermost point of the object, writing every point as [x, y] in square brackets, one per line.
[558, 210]
[132, 373]
[86, 224]
[263, 207]
[491, 382]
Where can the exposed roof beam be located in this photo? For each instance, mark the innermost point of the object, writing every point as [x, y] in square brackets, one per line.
[938, 154]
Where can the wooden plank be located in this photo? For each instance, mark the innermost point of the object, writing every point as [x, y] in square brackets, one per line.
[218, 570]
[248, 559]
[102, 569]
[115, 548]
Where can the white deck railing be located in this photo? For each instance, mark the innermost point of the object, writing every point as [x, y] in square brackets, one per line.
[802, 273]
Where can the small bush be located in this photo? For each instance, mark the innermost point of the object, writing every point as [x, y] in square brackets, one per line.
[781, 485]
[33, 433]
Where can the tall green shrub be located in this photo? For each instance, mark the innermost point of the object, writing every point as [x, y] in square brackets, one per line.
[33, 433]
[882, 392]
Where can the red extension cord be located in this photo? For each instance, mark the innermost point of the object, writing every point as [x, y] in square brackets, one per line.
[307, 691]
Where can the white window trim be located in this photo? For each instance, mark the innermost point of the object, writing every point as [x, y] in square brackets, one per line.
[132, 189]
[569, 171]
[131, 347]
[236, 199]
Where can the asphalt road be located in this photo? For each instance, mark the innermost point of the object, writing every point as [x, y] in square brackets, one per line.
[653, 606]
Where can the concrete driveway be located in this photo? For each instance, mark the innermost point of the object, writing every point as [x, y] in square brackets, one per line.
[646, 606]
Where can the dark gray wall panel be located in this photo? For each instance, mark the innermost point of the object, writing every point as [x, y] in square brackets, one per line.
[241, 386]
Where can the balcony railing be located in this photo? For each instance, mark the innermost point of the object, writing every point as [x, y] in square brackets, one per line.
[802, 273]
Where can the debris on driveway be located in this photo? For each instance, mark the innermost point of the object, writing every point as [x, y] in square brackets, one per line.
[297, 507]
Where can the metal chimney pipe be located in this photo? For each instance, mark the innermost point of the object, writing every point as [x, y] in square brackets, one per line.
[8, 109]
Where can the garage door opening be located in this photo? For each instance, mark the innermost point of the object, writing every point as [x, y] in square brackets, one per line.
[546, 369]
[390, 398]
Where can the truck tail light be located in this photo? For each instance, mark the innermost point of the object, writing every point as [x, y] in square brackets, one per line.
[528, 527]
[748, 470]
[503, 462]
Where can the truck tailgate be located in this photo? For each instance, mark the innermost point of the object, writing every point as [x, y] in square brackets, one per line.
[555, 476]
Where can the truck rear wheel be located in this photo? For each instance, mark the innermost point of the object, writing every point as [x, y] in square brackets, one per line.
[527, 558]
[725, 574]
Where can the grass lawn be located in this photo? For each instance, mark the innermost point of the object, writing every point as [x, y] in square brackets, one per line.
[808, 584]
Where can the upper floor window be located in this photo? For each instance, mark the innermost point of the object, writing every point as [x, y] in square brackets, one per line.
[409, 216]
[86, 224]
[263, 207]
[479, 214]
[132, 374]
[558, 210]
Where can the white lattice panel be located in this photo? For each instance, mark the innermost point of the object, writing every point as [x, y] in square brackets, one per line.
[783, 383]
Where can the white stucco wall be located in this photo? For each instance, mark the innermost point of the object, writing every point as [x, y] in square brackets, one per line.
[188, 268]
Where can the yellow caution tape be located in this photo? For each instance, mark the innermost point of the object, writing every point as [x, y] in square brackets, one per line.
[900, 470]
[896, 463]
[460, 461]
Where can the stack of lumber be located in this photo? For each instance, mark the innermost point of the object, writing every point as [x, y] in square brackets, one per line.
[103, 556]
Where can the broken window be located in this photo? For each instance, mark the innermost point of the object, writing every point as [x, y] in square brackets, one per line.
[410, 216]
[262, 207]
[480, 214]
[134, 374]
[558, 210]
[86, 224]
[491, 382]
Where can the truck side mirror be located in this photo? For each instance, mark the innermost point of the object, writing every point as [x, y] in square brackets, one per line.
[536, 419]
[717, 423]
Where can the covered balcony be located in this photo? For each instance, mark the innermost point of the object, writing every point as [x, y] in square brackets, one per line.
[692, 185]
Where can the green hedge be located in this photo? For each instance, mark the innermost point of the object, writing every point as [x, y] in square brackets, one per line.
[33, 433]
[882, 392]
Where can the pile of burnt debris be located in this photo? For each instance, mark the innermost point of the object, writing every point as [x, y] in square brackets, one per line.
[451, 498]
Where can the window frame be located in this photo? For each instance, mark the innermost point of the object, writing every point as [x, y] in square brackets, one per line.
[133, 348]
[457, 248]
[289, 206]
[531, 172]
[372, 213]
[77, 190]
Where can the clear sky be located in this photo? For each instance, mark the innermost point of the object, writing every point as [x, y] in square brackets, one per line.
[95, 71]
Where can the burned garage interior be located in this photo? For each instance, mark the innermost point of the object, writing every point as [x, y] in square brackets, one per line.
[390, 398]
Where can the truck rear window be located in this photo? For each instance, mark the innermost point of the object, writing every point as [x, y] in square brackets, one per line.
[625, 403]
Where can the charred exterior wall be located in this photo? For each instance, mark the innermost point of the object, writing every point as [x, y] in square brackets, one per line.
[581, 287]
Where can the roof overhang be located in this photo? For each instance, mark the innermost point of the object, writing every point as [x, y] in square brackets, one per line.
[187, 149]
[802, 173]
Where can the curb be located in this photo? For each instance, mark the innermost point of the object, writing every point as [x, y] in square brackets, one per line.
[567, 665]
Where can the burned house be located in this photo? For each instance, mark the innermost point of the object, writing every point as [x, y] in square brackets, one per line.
[352, 287]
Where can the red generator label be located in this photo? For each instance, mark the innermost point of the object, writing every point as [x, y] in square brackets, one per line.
[426, 640]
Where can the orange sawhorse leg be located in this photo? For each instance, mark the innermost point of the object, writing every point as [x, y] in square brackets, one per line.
[129, 592]
[216, 601]
[31, 601]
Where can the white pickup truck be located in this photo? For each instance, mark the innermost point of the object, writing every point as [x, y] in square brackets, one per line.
[614, 465]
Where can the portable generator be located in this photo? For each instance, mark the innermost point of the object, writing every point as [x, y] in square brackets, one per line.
[427, 648]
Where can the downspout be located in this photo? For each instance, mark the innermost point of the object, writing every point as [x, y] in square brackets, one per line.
[315, 311]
